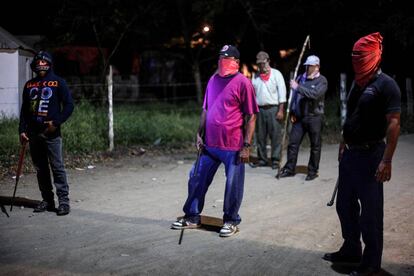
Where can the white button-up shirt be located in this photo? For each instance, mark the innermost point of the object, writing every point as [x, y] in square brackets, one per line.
[271, 92]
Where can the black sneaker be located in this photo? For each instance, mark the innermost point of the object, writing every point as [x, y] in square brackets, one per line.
[275, 165]
[366, 271]
[310, 177]
[261, 163]
[286, 173]
[44, 206]
[63, 210]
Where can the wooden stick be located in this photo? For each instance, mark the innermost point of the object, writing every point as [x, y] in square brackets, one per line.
[19, 171]
[307, 41]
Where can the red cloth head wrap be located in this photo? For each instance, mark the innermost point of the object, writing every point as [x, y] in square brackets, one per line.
[366, 57]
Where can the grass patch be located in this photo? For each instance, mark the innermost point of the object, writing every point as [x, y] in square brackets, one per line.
[164, 125]
[85, 134]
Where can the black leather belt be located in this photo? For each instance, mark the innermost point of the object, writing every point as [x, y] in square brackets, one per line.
[364, 146]
[268, 106]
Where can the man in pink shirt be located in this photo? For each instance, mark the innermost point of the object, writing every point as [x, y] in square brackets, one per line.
[226, 129]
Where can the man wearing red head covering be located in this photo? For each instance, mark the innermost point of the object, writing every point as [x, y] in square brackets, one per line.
[370, 135]
[366, 58]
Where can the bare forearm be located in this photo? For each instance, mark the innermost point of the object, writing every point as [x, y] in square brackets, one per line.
[202, 126]
[249, 129]
[393, 132]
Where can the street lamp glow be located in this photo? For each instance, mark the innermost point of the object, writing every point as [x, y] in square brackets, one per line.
[206, 29]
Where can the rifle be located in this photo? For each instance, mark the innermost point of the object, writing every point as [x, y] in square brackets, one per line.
[19, 170]
[307, 41]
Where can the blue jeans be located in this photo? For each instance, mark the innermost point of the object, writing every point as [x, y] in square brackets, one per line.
[47, 154]
[200, 180]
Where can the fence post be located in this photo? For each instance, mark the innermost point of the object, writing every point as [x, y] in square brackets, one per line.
[409, 91]
[342, 97]
[110, 111]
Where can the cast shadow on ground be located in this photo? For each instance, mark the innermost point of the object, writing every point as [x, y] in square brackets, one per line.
[208, 223]
[347, 269]
[19, 201]
[128, 245]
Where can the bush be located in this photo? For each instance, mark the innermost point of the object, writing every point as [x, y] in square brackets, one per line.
[9, 140]
[85, 131]
[167, 125]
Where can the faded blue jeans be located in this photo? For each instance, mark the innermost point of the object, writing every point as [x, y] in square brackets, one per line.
[200, 181]
[47, 155]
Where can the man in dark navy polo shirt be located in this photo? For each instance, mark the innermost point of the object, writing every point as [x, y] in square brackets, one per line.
[373, 113]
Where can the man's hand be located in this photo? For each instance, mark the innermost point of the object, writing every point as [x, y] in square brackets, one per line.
[199, 142]
[245, 154]
[293, 84]
[384, 171]
[23, 138]
[293, 119]
[50, 127]
[279, 116]
[341, 151]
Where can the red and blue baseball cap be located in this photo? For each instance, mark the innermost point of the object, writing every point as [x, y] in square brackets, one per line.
[229, 51]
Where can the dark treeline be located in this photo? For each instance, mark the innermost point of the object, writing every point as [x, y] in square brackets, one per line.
[174, 28]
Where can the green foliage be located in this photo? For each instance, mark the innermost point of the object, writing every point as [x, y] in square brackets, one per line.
[9, 139]
[331, 131]
[166, 124]
[85, 131]
[155, 123]
[163, 124]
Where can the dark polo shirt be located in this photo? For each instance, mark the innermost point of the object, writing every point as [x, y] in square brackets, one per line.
[367, 108]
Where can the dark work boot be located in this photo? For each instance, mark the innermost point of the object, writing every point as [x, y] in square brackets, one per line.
[286, 173]
[44, 206]
[63, 210]
[311, 176]
[340, 257]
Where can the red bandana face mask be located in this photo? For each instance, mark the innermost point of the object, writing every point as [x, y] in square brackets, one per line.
[227, 66]
[264, 71]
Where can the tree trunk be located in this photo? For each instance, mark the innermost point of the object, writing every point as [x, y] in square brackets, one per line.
[197, 79]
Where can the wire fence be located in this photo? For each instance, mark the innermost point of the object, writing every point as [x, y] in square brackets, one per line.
[130, 91]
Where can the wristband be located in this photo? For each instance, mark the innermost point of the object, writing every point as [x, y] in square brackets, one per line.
[387, 161]
[246, 145]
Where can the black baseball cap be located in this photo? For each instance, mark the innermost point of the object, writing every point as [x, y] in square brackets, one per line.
[229, 51]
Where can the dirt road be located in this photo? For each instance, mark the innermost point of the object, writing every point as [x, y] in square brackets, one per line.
[122, 211]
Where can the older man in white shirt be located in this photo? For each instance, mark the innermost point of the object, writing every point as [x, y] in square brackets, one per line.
[270, 88]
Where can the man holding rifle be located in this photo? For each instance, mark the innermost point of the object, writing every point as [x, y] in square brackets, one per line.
[373, 113]
[47, 104]
[226, 129]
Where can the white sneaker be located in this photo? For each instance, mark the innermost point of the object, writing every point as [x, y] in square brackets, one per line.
[228, 230]
[184, 224]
